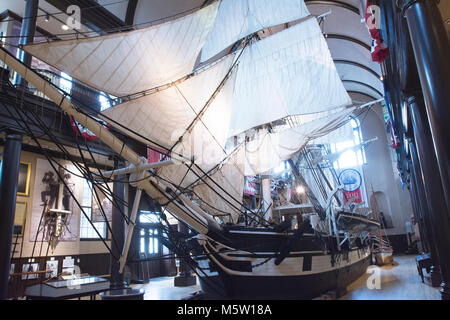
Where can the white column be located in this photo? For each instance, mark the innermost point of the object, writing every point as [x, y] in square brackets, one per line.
[267, 196]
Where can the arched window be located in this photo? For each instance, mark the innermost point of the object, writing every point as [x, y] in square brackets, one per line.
[149, 241]
[87, 231]
[351, 151]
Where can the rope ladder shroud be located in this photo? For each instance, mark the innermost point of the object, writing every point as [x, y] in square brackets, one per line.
[155, 190]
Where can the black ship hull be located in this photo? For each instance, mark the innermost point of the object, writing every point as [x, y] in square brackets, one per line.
[311, 268]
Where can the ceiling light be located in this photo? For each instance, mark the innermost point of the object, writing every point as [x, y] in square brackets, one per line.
[47, 17]
[381, 78]
[65, 27]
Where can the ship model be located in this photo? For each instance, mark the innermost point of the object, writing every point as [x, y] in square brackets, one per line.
[225, 91]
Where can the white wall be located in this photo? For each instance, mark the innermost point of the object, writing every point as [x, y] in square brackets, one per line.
[381, 172]
[64, 247]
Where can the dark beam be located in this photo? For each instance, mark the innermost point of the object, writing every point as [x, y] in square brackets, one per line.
[8, 13]
[27, 32]
[362, 93]
[359, 65]
[347, 38]
[59, 155]
[131, 11]
[93, 15]
[365, 85]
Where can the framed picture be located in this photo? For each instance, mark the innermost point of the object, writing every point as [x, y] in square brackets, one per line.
[19, 217]
[30, 267]
[53, 266]
[23, 185]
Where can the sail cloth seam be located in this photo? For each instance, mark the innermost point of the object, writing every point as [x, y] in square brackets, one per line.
[103, 117]
[218, 166]
[211, 99]
[155, 90]
[270, 69]
[81, 58]
[165, 86]
[200, 119]
[237, 19]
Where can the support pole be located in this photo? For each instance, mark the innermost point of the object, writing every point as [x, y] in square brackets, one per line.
[132, 222]
[432, 51]
[438, 210]
[9, 173]
[118, 230]
[425, 207]
[416, 210]
[27, 34]
[185, 277]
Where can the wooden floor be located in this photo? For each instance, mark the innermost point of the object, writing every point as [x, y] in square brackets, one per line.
[163, 289]
[397, 282]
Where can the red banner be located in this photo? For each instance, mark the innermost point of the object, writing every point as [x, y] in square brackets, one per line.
[156, 155]
[249, 186]
[380, 50]
[355, 196]
[82, 131]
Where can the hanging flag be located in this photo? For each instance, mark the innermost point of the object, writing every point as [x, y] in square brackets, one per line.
[351, 179]
[81, 131]
[250, 185]
[156, 155]
[380, 50]
[388, 118]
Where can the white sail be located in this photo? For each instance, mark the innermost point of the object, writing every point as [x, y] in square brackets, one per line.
[288, 73]
[163, 116]
[268, 150]
[227, 199]
[239, 18]
[206, 142]
[129, 62]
